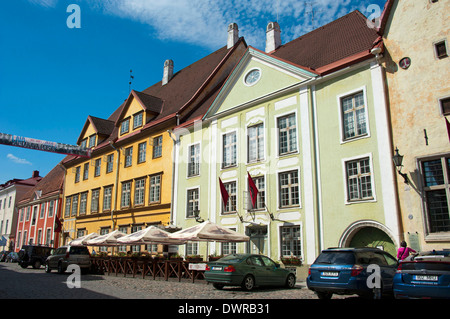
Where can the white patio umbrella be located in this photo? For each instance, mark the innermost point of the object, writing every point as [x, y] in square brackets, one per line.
[149, 235]
[208, 231]
[109, 239]
[81, 241]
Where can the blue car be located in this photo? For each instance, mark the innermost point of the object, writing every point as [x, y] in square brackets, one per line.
[349, 271]
[426, 275]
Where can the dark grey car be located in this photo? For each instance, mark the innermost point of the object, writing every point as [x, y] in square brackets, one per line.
[64, 256]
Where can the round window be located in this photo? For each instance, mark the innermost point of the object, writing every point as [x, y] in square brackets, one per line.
[252, 77]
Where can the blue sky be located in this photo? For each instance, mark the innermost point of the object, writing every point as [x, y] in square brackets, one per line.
[52, 76]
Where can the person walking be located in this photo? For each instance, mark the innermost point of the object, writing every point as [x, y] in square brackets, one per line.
[404, 251]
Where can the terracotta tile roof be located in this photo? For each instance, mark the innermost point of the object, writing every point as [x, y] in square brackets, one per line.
[49, 185]
[338, 40]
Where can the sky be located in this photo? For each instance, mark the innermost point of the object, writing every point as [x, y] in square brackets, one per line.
[60, 63]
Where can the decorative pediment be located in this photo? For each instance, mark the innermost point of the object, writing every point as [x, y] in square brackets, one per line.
[257, 76]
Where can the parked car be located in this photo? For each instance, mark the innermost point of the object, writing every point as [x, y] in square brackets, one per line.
[247, 271]
[425, 275]
[12, 257]
[343, 271]
[3, 255]
[33, 255]
[64, 256]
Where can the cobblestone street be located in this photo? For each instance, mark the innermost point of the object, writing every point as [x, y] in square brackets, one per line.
[36, 284]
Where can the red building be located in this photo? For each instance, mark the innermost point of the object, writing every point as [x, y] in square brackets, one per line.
[39, 210]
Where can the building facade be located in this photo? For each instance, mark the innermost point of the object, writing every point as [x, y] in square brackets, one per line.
[127, 183]
[10, 194]
[417, 65]
[39, 210]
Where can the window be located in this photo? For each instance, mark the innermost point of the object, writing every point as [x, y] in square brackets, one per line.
[353, 115]
[42, 211]
[66, 209]
[255, 143]
[142, 149]
[51, 207]
[83, 203]
[139, 191]
[289, 189]
[441, 49]
[126, 194]
[155, 189]
[135, 228]
[436, 190]
[125, 126]
[230, 247]
[109, 163]
[123, 229]
[137, 120]
[107, 193]
[287, 134]
[260, 199]
[194, 160]
[192, 202]
[359, 180]
[86, 171]
[98, 164]
[229, 150]
[74, 211]
[290, 241]
[92, 140]
[445, 105]
[48, 237]
[83, 143]
[77, 174]
[230, 207]
[191, 248]
[128, 156]
[94, 200]
[104, 231]
[157, 147]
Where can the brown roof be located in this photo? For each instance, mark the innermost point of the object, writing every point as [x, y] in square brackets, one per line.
[338, 40]
[51, 184]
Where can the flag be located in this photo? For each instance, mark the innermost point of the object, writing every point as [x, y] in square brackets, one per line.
[224, 192]
[252, 189]
[58, 225]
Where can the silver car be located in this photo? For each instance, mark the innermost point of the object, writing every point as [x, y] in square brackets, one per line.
[64, 256]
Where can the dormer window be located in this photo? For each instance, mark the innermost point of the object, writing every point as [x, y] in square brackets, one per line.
[125, 126]
[92, 140]
[137, 120]
[83, 143]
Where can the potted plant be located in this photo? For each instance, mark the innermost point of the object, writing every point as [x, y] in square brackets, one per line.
[291, 261]
[176, 257]
[194, 258]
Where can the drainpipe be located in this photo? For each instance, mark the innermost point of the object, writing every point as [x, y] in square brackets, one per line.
[174, 171]
[116, 183]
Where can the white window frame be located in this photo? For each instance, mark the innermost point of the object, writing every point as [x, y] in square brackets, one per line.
[150, 201]
[189, 158]
[257, 160]
[222, 206]
[286, 170]
[341, 118]
[222, 165]
[297, 130]
[372, 179]
[186, 216]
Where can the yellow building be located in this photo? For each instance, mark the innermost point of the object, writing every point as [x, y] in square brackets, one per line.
[126, 184]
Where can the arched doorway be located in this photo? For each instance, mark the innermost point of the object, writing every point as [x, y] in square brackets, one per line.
[368, 234]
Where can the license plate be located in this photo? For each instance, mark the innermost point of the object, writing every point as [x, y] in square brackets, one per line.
[425, 278]
[330, 273]
[216, 268]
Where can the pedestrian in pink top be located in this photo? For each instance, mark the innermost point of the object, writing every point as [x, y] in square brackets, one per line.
[404, 251]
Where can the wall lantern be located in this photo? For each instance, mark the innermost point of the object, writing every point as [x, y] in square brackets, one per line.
[197, 216]
[398, 160]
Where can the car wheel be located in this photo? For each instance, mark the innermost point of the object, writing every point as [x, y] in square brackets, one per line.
[37, 264]
[23, 265]
[47, 268]
[218, 286]
[248, 283]
[290, 281]
[324, 295]
[60, 268]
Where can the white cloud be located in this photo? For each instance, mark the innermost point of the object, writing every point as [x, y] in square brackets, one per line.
[17, 160]
[205, 22]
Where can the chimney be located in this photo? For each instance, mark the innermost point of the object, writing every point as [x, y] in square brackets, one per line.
[273, 36]
[168, 71]
[233, 35]
[35, 174]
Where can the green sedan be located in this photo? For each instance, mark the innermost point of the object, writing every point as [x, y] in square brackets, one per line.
[247, 271]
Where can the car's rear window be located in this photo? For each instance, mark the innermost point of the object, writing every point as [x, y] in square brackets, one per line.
[232, 258]
[440, 266]
[74, 250]
[336, 257]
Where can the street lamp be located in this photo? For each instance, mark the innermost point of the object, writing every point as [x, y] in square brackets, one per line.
[197, 216]
[398, 160]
